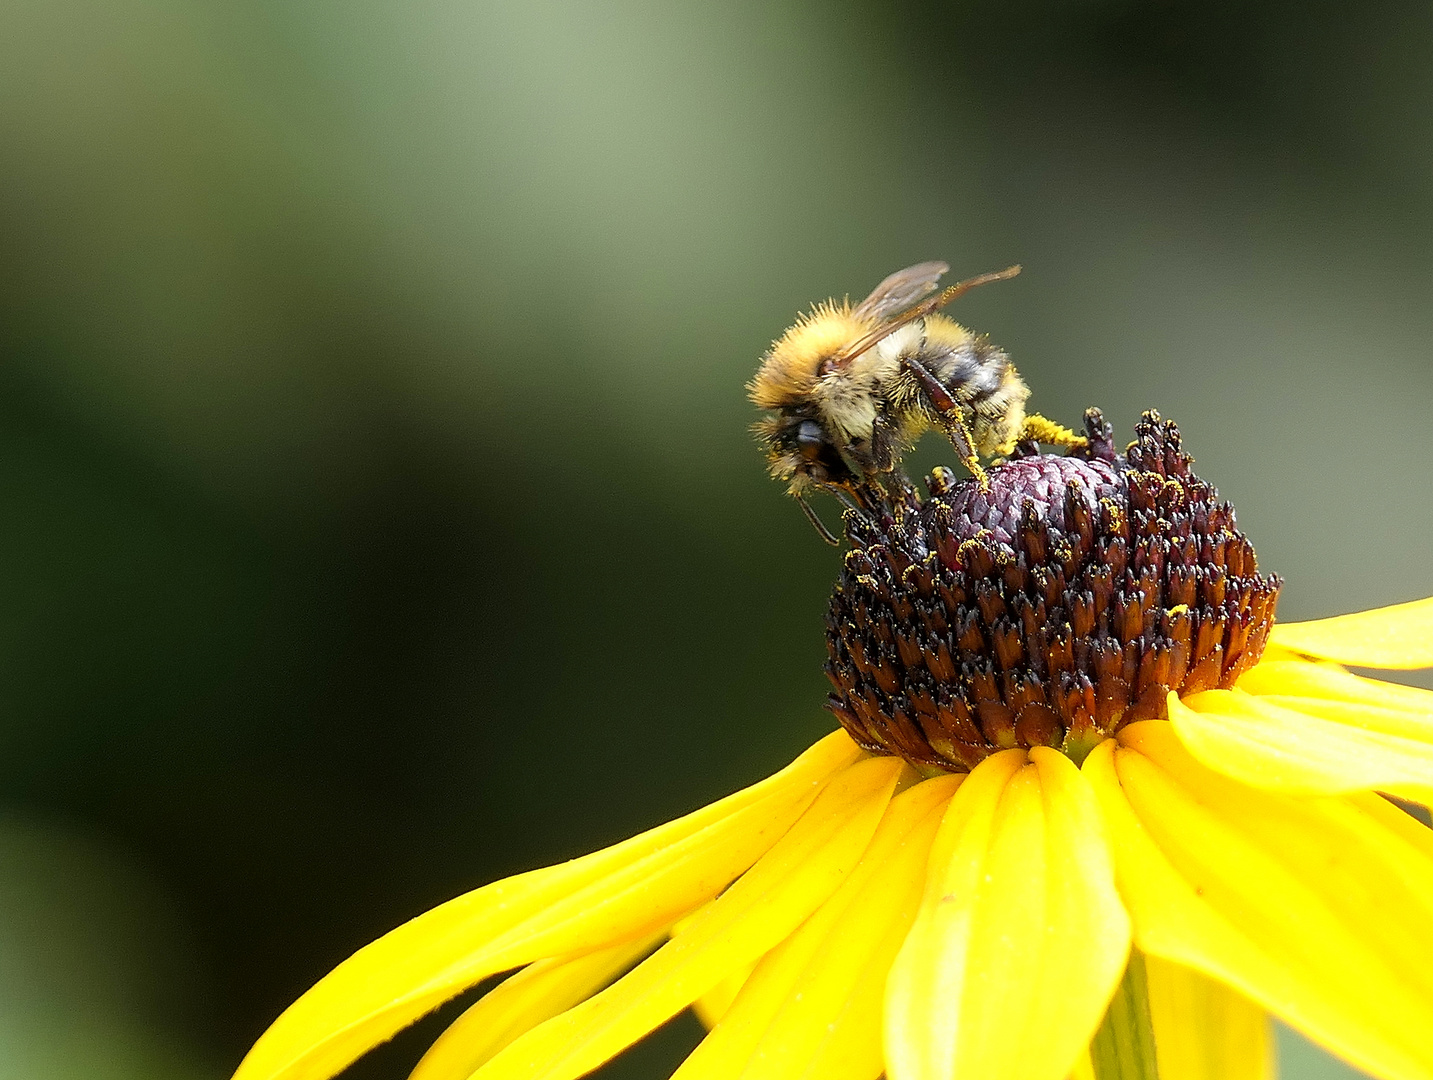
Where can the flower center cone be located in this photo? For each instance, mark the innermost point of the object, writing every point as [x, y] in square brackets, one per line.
[1053, 606]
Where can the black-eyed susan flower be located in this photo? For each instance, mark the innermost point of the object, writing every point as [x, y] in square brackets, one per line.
[1090, 813]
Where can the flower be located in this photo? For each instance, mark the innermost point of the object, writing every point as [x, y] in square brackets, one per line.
[1077, 757]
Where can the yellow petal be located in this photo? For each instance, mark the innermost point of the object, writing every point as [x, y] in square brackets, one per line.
[1020, 930]
[1400, 722]
[790, 881]
[1307, 745]
[521, 1002]
[620, 893]
[1318, 679]
[812, 1007]
[1318, 908]
[1203, 1030]
[712, 1005]
[1398, 637]
[1277, 654]
[715, 1003]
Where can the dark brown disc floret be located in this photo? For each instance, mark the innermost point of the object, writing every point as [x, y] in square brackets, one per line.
[1065, 600]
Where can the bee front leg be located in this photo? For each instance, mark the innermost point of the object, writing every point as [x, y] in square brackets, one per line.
[947, 411]
[816, 522]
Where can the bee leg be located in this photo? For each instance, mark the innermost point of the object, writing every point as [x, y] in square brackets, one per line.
[817, 523]
[843, 497]
[903, 493]
[947, 411]
[1040, 429]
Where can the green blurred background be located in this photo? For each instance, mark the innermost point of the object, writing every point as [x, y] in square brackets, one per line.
[377, 510]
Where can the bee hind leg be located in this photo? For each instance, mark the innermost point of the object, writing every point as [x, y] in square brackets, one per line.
[947, 411]
[1040, 429]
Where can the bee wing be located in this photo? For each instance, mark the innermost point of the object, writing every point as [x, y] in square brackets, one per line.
[901, 291]
[899, 300]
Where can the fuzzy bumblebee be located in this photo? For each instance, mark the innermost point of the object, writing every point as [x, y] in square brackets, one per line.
[851, 388]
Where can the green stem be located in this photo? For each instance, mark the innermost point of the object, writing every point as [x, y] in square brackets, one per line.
[1123, 1048]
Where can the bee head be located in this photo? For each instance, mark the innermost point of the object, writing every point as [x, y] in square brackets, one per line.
[793, 380]
[801, 452]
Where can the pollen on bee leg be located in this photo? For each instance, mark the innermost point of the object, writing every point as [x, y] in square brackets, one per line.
[1060, 601]
[1040, 429]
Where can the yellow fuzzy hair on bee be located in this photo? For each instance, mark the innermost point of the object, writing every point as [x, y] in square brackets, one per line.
[791, 367]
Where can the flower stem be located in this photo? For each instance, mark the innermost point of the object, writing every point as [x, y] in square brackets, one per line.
[1123, 1048]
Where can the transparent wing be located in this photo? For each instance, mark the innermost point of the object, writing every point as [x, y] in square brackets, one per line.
[901, 291]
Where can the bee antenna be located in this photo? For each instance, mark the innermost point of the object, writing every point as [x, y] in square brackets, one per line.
[817, 523]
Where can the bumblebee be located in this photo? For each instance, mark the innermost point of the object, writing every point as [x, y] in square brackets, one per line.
[852, 388]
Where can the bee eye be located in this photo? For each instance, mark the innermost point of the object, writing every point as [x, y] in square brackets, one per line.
[810, 439]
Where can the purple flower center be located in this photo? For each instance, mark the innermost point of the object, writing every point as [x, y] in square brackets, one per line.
[1066, 600]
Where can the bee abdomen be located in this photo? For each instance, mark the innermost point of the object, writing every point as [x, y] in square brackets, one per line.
[982, 379]
[974, 371]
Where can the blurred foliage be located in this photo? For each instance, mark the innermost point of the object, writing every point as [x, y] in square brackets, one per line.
[379, 514]
[97, 979]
